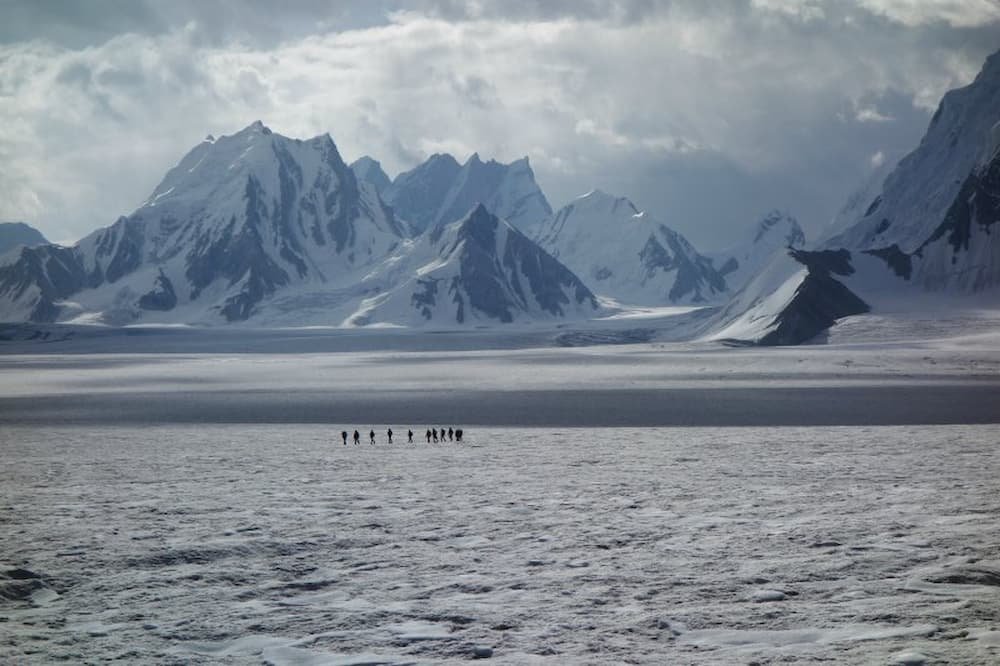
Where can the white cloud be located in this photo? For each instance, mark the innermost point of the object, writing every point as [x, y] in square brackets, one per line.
[877, 159]
[958, 13]
[86, 133]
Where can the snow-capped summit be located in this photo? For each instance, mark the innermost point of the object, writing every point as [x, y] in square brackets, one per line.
[441, 191]
[777, 231]
[627, 254]
[369, 170]
[237, 218]
[917, 194]
[480, 269]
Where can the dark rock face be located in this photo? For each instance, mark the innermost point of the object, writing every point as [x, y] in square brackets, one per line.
[57, 272]
[819, 301]
[692, 274]
[493, 282]
[426, 297]
[978, 202]
[162, 297]
[900, 262]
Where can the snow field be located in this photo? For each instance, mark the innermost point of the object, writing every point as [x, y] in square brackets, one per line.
[276, 544]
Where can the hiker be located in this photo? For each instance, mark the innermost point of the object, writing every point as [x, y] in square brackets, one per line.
[409, 436]
[371, 434]
[389, 432]
[428, 435]
[451, 435]
[343, 434]
[458, 434]
[434, 431]
[357, 438]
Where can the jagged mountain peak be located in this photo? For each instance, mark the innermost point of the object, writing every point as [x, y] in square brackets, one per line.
[369, 170]
[480, 269]
[441, 191]
[628, 255]
[782, 222]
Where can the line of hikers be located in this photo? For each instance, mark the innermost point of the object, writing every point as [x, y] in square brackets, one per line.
[449, 435]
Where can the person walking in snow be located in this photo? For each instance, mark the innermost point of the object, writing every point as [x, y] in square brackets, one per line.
[451, 435]
[428, 435]
[371, 434]
[389, 432]
[343, 434]
[357, 438]
[409, 436]
[458, 434]
[434, 432]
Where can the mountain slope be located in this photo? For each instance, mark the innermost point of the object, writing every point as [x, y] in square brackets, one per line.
[370, 171]
[237, 219]
[931, 228]
[13, 234]
[627, 254]
[441, 191]
[775, 232]
[479, 270]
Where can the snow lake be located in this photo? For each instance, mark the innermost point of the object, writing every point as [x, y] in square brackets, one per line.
[215, 543]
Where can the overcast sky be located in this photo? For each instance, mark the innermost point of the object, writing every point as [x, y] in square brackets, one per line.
[706, 113]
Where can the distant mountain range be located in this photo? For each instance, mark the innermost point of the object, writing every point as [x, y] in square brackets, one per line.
[260, 228]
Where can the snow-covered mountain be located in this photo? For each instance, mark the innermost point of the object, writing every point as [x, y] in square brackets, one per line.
[441, 191]
[13, 234]
[931, 228]
[238, 218]
[480, 269]
[627, 254]
[369, 170]
[775, 232]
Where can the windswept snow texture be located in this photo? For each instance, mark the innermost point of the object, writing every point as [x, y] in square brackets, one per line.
[628, 255]
[233, 544]
[441, 191]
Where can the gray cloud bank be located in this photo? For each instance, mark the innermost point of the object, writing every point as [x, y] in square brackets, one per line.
[706, 113]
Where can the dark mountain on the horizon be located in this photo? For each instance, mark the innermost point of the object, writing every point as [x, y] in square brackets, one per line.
[13, 234]
[441, 191]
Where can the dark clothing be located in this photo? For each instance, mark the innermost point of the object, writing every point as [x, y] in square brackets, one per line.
[451, 434]
[434, 432]
[409, 436]
[389, 432]
[357, 437]
[428, 435]
[343, 434]
[458, 434]
[371, 434]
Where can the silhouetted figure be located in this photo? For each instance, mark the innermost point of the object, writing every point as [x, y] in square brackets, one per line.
[458, 434]
[409, 436]
[357, 437]
[371, 434]
[451, 435]
[389, 432]
[444, 435]
[434, 432]
[343, 434]
[428, 435]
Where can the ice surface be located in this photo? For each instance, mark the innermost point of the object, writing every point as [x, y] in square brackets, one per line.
[239, 543]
